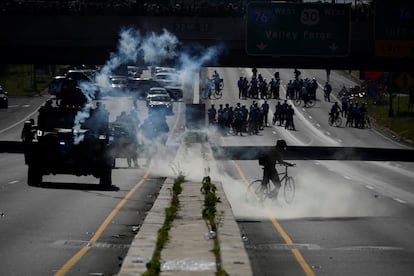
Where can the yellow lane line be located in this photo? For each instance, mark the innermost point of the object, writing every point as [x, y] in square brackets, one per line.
[299, 258]
[72, 261]
[176, 121]
[75, 258]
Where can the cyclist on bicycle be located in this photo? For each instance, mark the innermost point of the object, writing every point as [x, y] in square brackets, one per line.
[335, 109]
[268, 161]
[216, 78]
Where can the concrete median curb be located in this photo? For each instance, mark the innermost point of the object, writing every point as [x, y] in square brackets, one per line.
[188, 251]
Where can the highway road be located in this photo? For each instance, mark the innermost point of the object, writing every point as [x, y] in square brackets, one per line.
[347, 218]
[69, 225]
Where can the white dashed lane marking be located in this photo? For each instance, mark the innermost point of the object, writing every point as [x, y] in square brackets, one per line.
[400, 200]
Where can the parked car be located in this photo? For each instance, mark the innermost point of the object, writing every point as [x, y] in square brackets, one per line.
[119, 83]
[4, 98]
[157, 90]
[82, 74]
[160, 102]
[134, 71]
[160, 69]
[170, 79]
[139, 86]
[175, 92]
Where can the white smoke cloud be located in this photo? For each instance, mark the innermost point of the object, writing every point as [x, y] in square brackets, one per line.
[157, 49]
[151, 48]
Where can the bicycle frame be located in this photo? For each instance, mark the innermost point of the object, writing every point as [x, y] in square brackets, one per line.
[256, 189]
[285, 174]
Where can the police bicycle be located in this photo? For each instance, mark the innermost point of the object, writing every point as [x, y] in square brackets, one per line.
[210, 91]
[334, 120]
[256, 192]
[310, 102]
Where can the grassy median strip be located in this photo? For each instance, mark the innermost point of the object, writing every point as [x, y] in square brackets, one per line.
[213, 219]
[154, 265]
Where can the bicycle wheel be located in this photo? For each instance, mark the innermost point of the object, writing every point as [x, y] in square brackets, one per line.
[297, 101]
[289, 189]
[311, 103]
[221, 85]
[215, 95]
[255, 191]
[204, 95]
[338, 122]
[330, 121]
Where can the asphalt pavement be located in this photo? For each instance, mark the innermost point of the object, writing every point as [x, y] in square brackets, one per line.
[189, 250]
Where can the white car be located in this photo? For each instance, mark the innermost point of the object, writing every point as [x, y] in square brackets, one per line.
[160, 69]
[160, 102]
[158, 91]
[170, 79]
[119, 82]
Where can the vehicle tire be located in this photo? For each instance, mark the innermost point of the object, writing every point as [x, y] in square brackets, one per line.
[297, 101]
[289, 189]
[221, 85]
[105, 179]
[175, 95]
[255, 192]
[34, 176]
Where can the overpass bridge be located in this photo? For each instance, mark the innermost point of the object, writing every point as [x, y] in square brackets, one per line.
[71, 39]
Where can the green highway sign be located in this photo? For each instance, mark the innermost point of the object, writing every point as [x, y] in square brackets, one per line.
[394, 32]
[289, 29]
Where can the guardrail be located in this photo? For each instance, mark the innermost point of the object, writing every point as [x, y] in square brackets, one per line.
[317, 153]
[291, 153]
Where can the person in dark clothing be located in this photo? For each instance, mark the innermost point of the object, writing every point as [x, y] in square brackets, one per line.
[269, 160]
[327, 89]
[27, 136]
[212, 112]
[265, 109]
[335, 110]
[240, 86]
[290, 125]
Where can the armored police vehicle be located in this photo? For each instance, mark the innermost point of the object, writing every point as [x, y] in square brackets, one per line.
[64, 144]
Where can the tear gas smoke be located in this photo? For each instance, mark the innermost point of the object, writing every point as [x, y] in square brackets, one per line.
[318, 194]
[153, 49]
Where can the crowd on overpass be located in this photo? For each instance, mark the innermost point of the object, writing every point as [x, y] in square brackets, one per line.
[361, 10]
[117, 7]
